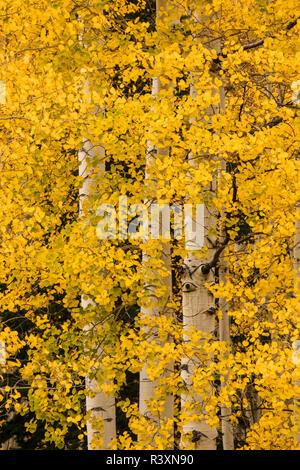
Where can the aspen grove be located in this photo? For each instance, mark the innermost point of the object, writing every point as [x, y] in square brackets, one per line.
[123, 326]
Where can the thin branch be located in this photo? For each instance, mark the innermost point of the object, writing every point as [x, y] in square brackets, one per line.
[216, 63]
[274, 122]
[252, 45]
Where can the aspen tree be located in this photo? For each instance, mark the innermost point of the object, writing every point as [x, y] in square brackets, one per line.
[224, 335]
[296, 345]
[49, 254]
[198, 303]
[160, 301]
[98, 403]
[223, 272]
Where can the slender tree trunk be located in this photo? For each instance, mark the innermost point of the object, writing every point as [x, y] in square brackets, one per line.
[198, 307]
[198, 313]
[100, 405]
[224, 335]
[296, 345]
[224, 321]
[158, 304]
[199, 304]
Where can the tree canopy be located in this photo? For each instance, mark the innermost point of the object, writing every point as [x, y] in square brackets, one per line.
[227, 112]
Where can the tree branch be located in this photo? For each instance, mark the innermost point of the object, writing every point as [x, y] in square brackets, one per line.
[216, 63]
[252, 45]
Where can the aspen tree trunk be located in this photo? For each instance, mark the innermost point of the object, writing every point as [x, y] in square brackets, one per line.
[198, 312]
[252, 413]
[100, 405]
[199, 305]
[296, 345]
[159, 305]
[224, 335]
[224, 323]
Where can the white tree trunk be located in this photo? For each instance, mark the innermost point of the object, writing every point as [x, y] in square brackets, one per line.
[198, 312]
[148, 386]
[198, 302]
[159, 305]
[224, 322]
[224, 335]
[296, 345]
[100, 405]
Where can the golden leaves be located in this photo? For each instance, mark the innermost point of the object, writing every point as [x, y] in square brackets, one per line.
[48, 53]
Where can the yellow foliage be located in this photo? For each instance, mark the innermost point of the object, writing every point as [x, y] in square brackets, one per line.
[61, 63]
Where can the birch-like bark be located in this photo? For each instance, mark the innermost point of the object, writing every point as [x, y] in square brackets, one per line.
[159, 305]
[198, 307]
[197, 301]
[224, 335]
[99, 404]
[198, 312]
[296, 345]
